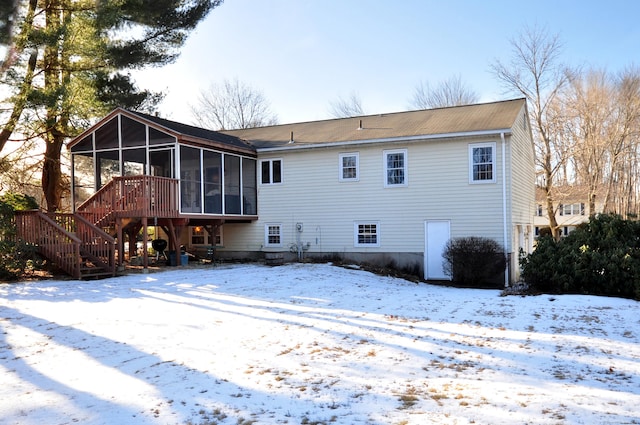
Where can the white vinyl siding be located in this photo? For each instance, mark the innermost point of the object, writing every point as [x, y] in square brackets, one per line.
[439, 190]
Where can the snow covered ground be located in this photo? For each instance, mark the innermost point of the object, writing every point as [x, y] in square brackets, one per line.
[310, 344]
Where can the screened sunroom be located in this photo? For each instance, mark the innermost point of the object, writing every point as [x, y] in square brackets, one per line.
[161, 168]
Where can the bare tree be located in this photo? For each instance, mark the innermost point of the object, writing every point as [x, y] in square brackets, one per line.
[345, 108]
[623, 189]
[602, 120]
[536, 73]
[232, 105]
[449, 92]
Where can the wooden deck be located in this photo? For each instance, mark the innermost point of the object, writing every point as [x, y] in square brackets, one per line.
[95, 234]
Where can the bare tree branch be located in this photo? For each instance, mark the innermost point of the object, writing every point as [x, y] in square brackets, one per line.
[345, 108]
[450, 92]
[232, 105]
[536, 73]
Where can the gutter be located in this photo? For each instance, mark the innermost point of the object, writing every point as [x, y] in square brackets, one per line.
[504, 206]
[292, 146]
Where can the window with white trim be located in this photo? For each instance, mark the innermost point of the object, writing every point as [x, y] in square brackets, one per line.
[272, 235]
[349, 167]
[572, 209]
[482, 162]
[366, 233]
[271, 171]
[395, 168]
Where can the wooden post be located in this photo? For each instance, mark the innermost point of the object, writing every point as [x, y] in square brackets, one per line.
[145, 237]
[120, 237]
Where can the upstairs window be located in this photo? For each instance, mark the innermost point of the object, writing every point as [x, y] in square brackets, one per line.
[271, 171]
[349, 163]
[482, 159]
[539, 210]
[572, 209]
[366, 234]
[395, 168]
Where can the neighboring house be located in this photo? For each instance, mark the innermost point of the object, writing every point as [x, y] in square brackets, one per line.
[389, 189]
[571, 209]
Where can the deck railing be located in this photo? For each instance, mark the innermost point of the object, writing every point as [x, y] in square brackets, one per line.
[66, 239]
[132, 196]
[53, 240]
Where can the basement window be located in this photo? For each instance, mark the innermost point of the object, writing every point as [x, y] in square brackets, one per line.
[272, 235]
[366, 233]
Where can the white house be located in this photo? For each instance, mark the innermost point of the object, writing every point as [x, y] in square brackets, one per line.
[571, 208]
[389, 189]
[393, 188]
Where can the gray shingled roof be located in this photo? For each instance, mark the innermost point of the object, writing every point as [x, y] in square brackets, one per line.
[458, 119]
[197, 132]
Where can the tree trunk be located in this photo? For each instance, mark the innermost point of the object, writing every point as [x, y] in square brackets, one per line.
[54, 137]
[52, 174]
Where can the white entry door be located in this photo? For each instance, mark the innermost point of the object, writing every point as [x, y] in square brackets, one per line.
[437, 234]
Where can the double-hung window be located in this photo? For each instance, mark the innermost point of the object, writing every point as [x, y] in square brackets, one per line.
[366, 233]
[349, 163]
[271, 171]
[482, 163]
[572, 209]
[272, 235]
[395, 168]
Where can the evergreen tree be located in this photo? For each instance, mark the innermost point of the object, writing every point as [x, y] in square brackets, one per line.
[68, 62]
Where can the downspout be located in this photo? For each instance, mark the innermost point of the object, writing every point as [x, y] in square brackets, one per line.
[504, 207]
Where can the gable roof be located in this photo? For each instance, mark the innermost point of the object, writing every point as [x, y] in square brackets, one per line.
[440, 122]
[193, 131]
[183, 132]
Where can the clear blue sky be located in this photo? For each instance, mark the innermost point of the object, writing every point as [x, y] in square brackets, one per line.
[303, 54]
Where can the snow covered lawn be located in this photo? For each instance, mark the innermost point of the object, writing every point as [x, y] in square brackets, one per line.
[311, 344]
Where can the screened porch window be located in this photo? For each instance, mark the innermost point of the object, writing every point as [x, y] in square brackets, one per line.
[249, 189]
[232, 184]
[212, 162]
[108, 166]
[190, 180]
[84, 180]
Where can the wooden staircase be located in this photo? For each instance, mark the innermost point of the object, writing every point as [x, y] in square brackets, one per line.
[78, 243]
[75, 245]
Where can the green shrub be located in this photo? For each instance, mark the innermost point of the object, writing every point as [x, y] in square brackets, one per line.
[474, 262]
[16, 257]
[601, 257]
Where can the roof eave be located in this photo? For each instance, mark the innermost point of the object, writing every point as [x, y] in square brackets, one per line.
[216, 144]
[402, 139]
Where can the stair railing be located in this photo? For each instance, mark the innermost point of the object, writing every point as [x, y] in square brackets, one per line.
[53, 241]
[132, 196]
[96, 245]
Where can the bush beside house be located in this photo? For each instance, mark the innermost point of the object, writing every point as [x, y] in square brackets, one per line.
[475, 262]
[600, 257]
[15, 257]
